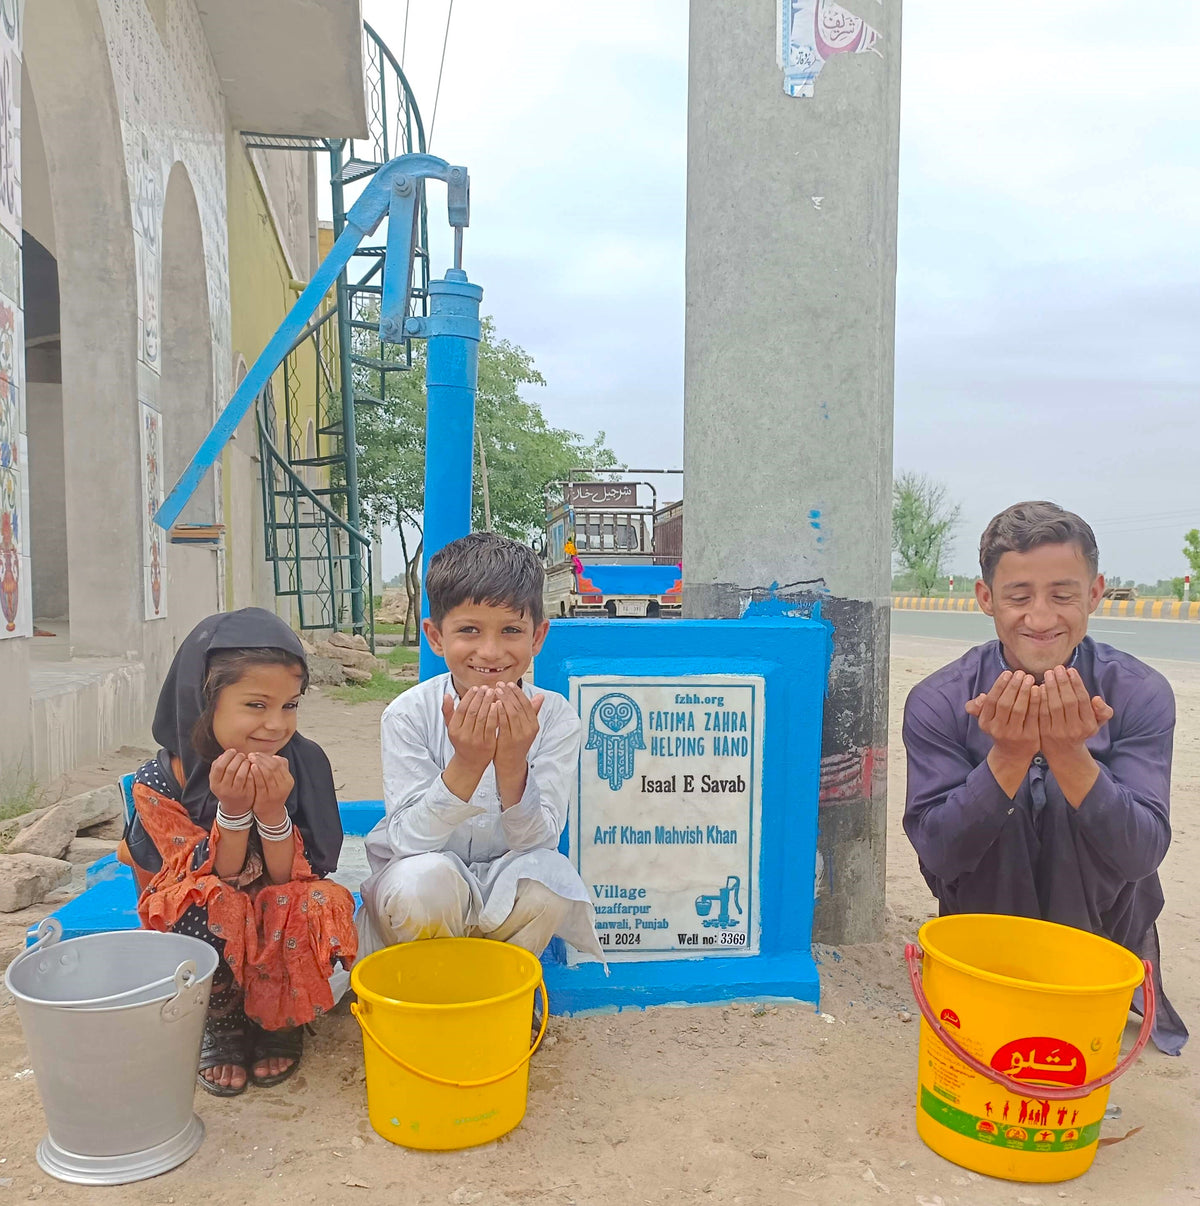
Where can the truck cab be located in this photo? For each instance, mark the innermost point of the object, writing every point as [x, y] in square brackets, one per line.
[600, 553]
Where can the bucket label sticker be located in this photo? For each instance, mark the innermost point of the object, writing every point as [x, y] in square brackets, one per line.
[1035, 1127]
[667, 829]
[1041, 1060]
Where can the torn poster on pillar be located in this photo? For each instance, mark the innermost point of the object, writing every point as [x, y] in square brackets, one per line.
[810, 32]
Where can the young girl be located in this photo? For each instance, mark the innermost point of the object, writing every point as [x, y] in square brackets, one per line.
[236, 825]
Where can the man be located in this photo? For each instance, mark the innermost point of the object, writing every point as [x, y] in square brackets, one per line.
[1039, 764]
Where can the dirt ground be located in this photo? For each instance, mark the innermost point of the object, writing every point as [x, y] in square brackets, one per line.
[674, 1106]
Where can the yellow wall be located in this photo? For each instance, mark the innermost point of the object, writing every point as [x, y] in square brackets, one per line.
[260, 296]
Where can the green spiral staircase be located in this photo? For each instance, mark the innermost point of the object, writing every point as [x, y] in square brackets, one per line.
[312, 522]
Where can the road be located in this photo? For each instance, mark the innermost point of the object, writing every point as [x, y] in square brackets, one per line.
[1152, 640]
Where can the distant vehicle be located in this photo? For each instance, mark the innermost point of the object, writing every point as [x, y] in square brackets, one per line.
[610, 550]
[1121, 592]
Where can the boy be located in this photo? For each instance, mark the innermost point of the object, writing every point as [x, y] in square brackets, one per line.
[478, 772]
[1039, 764]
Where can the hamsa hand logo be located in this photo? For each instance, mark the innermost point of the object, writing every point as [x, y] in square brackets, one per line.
[615, 733]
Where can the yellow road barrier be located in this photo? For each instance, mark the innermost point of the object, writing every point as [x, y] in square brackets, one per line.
[1132, 609]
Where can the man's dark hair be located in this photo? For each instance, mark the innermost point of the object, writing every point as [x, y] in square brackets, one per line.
[1029, 525]
[485, 568]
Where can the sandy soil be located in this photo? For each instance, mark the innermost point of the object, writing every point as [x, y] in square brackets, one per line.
[671, 1106]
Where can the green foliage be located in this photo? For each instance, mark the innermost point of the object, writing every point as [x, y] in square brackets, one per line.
[523, 452]
[906, 584]
[1191, 550]
[19, 794]
[923, 522]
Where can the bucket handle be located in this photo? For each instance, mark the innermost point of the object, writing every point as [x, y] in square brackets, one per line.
[185, 981]
[913, 956]
[360, 1014]
[49, 932]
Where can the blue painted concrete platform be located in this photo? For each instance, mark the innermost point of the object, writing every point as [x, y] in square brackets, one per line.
[110, 900]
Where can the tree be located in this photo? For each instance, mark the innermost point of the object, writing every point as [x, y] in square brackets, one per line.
[1191, 550]
[923, 522]
[521, 451]
[517, 452]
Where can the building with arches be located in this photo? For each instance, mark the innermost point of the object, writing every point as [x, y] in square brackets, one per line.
[146, 256]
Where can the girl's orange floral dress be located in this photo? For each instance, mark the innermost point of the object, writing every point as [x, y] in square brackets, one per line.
[280, 939]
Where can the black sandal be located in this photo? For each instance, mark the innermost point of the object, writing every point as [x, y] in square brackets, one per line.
[275, 1044]
[225, 1041]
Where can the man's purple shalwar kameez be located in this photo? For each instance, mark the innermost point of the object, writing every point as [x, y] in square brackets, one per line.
[1094, 867]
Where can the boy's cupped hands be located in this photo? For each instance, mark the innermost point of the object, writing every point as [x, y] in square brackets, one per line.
[491, 725]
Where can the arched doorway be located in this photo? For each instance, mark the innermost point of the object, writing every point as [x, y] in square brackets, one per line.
[68, 80]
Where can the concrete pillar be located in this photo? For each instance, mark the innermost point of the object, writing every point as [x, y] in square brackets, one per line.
[71, 76]
[791, 265]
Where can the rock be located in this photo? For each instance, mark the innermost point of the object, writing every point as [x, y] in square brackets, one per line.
[48, 836]
[393, 607]
[112, 830]
[904, 1015]
[346, 640]
[388, 640]
[26, 878]
[325, 671]
[360, 659]
[100, 804]
[354, 675]
[21, 821]
[87, 850]
[309, 648]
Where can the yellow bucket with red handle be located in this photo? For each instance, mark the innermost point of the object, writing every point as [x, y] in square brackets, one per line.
[445, 1030]
[1021, 1027]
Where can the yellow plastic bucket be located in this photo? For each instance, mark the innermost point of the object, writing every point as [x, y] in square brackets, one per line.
[446, 1039]
[1020, 1038]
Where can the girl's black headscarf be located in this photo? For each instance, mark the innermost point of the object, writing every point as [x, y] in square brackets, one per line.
[313, 802]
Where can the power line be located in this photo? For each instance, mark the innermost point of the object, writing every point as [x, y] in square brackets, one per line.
[437, 94]
[404, 41]
[1160, 517]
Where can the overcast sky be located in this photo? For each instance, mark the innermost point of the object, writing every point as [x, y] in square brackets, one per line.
[1048, 298]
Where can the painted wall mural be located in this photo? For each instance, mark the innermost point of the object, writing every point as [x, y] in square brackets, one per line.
[154, 570]
[147, 226]
[10, 117]
[810, 32]
[16, 610]
[16, 605]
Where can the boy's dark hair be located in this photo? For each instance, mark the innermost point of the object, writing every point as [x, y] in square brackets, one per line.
[226, 667]
[1029, 525]
[485, 568]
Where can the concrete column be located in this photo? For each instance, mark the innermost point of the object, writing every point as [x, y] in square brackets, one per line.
[791, 266]
[70, 74]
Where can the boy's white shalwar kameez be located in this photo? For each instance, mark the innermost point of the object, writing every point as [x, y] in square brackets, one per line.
[442, 866]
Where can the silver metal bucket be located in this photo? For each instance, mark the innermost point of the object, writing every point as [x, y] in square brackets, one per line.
[113, 1023]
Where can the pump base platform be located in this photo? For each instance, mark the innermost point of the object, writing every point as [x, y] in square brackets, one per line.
[584, 988]
[109, 901]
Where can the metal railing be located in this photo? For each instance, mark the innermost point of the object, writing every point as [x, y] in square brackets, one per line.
[310, 547]
[311, 509]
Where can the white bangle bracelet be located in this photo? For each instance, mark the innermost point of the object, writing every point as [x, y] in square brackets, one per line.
[234, 824]
[275, 833]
